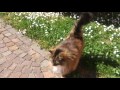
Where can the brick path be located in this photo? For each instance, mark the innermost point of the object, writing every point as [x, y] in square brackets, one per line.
[21, 57]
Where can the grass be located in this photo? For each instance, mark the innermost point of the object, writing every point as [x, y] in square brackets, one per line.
[102, 43]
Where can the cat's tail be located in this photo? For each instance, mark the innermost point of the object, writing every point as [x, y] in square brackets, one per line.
[84, 19]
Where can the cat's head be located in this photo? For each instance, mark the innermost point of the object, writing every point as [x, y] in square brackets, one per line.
[58, 56]
[62, 60]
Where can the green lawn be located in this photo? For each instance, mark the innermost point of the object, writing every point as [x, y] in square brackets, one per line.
[102, 43]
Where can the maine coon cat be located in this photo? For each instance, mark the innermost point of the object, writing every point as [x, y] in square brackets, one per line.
[66, 55]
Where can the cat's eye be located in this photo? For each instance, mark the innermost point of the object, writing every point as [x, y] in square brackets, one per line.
[60, 58]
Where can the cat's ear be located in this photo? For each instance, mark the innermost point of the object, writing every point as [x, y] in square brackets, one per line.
[51, 51]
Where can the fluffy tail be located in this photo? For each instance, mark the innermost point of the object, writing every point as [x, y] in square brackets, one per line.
[85, 18]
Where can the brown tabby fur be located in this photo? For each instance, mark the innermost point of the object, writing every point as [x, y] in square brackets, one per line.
[68, 53]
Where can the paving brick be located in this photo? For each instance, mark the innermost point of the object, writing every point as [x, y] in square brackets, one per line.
[1, 36]
[36, 70]
[26, 40]
[11, 57]
[26, 69]
[1, 75]
[46, 54]
[7, 64]
[23, 38]
[45, 63]
[2, 60]
[9, 44]
[2, 45]
[35, 64]
[18, 60]
[22, 54]
[13, 66]
[3, 49]
[1, 56]
[13, 48]
[23, 75]
[8, 26]
[40, 59]
[27, 57]
[36, 47]
[6, 40]
[33, 59]
[12, 30]
[5, 32]
[2, 25]
[19, 43]
[8, 34]
[24, 48]
[6, 53]
[2, 29]
[36, 56]
[12, 36]
[18, 51]
[6, 73]
[19, 68]
[31, 75]
[15, 75]
[1, 41]
[27, 63]
[31, 52]
[1, 69]
[46, 66]
[15, 40]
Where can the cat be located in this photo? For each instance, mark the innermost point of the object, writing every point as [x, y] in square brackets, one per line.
[66, 55]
